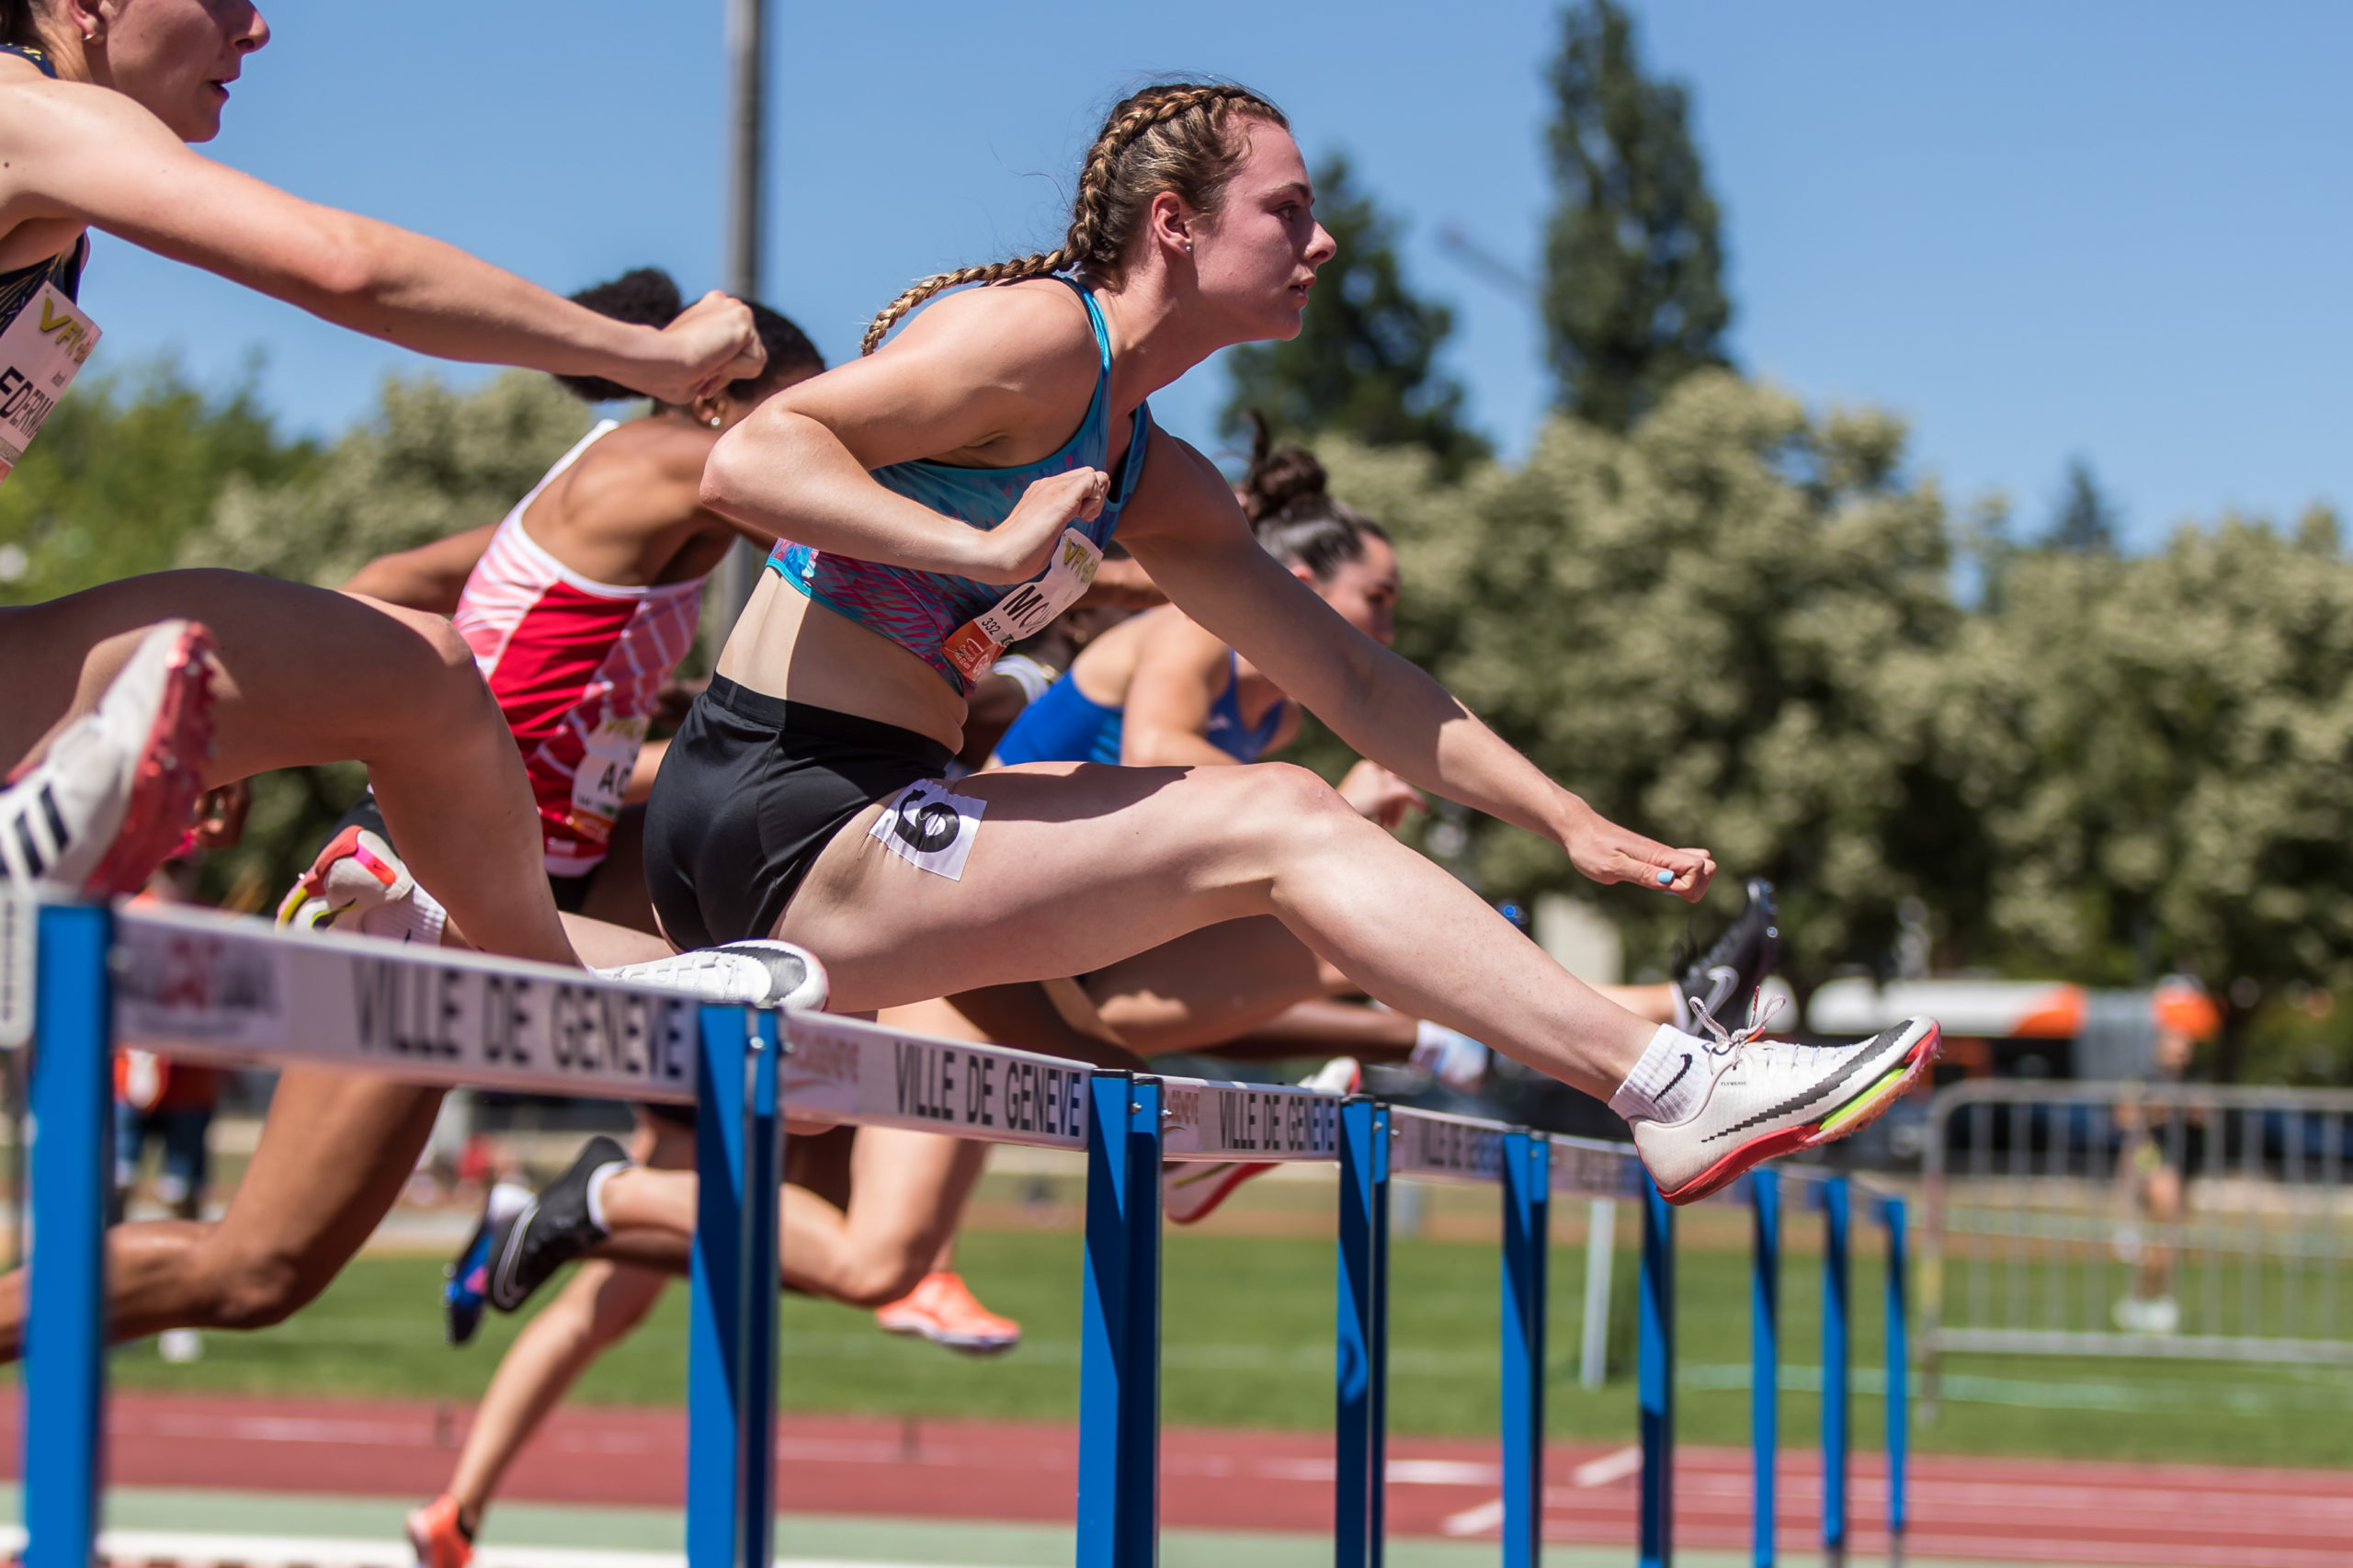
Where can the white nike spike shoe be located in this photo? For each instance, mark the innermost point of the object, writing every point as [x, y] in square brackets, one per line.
[118, 788]
[1771, 1097]
[758, 974]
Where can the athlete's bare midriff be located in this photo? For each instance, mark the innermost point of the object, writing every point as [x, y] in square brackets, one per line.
[788, 646]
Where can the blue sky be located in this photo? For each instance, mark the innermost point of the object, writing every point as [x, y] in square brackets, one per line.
[2104, 228]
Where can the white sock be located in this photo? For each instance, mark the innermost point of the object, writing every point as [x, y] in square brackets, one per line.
[419, 918]
[597, 1180]
[1669, 1083]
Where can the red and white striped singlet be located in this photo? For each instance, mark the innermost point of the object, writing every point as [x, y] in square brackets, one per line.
[575, 665]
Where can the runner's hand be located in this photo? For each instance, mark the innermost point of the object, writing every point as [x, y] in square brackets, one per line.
[712, 344]
[1379, 795]
[1019, 548]
[1605, 852]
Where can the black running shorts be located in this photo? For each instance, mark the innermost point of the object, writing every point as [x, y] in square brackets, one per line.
[752, 790]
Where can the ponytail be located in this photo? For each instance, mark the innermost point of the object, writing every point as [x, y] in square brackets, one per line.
[1296, 519]
[1179, 137]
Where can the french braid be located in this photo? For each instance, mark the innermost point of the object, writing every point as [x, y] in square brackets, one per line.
[1168, 138]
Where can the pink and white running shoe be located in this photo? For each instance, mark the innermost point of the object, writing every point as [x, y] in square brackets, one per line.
[1190, 1190]
[117, 790]
[355, 876]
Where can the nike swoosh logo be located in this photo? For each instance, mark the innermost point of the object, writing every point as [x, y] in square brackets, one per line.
[1723, 981]
[1679, 1072]
[1828, 1086]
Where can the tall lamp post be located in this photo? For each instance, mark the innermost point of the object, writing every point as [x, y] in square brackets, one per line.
[747, 74]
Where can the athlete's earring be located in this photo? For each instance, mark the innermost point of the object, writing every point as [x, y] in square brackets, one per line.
[712, 422]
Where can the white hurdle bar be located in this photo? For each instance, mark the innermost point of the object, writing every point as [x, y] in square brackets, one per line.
[204, 987]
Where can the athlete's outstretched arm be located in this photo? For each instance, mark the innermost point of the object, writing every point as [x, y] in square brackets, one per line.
[93, 157]
[1179, 670]
[431, 577]
[1184, 525]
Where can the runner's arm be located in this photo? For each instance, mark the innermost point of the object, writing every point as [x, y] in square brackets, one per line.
[430, 577]
[1186, 527]
[971, 377]
[1179, 670]
[93, 156]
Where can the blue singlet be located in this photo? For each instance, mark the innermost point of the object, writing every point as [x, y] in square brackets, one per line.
[1067, 725]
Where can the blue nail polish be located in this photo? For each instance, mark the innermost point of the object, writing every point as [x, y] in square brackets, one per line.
[1667, 878]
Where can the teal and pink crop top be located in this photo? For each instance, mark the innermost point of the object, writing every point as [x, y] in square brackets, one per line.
[18, 285]
[921, 610]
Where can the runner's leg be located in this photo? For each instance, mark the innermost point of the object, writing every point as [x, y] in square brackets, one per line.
[1250, 990]
[308, 675]
[1076, 866]
[333, 1154]
[598, 1307]
[907, 1191]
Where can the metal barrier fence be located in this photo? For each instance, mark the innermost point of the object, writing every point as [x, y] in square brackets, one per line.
[205, 987]
[2137, 1220]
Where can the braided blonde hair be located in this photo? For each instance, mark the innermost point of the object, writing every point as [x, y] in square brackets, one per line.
[1176, 138]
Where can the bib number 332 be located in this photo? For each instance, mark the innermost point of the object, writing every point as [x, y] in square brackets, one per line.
[40, 353]
[975, 645]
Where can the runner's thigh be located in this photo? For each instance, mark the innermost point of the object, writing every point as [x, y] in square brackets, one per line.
[1072, 867]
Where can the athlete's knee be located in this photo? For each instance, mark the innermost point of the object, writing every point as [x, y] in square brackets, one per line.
[253, 1293]
[430, 673]
[880, 1280]
[1283, 803]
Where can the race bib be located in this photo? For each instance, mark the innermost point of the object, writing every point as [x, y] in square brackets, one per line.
[975, 645]
[602, 779]
[39, 355]
[927, 826]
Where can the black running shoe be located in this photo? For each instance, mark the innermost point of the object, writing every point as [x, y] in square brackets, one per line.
[548, 1233]
[465, 1283]
[1722, 982]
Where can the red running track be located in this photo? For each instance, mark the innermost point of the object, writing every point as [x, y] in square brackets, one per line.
[2036, 1510]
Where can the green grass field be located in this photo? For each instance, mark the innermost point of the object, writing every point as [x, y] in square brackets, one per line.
[1248, 1342]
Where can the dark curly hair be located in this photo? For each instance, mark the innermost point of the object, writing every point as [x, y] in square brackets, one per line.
[1297, 521]
[648, 296]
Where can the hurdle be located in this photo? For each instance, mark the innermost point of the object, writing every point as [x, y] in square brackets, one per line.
[230, 991]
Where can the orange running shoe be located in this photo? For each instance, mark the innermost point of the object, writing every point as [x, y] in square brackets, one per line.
[439, 1536]
[942, 1310]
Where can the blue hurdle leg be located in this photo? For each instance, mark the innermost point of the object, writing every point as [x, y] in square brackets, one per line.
[1835, 1339]
[1528, 1209]
[1361, 1359]
[731, 1349]
[1764, 1356]
[1119, 1381]
[1377, 1469]
[73, 1171]
[1899, 1373]
[1655, 1379]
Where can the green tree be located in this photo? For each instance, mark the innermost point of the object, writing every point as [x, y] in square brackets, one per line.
[1365, 360]
[130, 465]
[1633, 292]
[2084, 523]
[431, 461]
[2160, 751]
[1720, 628]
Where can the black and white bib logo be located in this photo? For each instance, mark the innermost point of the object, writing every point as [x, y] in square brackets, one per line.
[927, 826]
